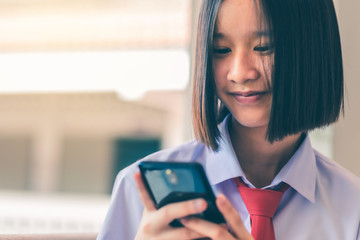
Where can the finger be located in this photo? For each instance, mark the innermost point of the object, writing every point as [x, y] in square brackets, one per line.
[209, 229]
[143, 193]
[232, 218]
[179, 210]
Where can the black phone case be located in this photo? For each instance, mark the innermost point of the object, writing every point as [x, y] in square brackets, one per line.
[170, 182]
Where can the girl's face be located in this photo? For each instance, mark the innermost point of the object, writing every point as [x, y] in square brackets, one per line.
[241, 56]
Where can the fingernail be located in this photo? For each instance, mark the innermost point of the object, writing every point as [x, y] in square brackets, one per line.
[199, 204]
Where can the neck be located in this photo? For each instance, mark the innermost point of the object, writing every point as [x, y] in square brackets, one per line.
[260, 159]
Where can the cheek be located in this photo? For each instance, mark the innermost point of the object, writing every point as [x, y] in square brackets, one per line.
[219, 72]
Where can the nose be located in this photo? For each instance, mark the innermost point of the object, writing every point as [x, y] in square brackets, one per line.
[243, 68]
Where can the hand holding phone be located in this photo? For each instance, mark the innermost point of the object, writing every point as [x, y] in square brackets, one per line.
[170, 182]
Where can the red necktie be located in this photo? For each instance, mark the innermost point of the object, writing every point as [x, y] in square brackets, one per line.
[262, 205]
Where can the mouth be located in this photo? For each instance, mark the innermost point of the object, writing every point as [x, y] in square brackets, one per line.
[249, 94]
[249, 97]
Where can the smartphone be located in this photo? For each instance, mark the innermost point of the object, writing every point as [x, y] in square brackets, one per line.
[170, 182]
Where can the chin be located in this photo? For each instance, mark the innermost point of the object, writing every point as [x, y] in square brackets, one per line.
[252, 122]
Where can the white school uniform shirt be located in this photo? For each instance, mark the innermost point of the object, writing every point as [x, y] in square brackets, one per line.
[322, 203]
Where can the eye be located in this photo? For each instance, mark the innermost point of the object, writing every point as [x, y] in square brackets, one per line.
[221, 50]
[263, 49]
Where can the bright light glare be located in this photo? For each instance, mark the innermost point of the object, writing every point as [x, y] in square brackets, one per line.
[130, 73]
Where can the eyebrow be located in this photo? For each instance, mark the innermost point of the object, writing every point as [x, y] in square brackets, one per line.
[219, 35]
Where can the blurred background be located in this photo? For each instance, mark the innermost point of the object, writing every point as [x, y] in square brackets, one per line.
[89, 86]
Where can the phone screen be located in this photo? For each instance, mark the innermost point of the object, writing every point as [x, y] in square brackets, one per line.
[174, 184]
[169, 182]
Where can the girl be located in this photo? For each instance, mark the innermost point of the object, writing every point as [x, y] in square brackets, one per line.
[266, 73]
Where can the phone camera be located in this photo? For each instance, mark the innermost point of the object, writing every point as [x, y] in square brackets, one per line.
[171, 176]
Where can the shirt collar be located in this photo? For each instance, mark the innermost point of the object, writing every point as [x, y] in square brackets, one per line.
[299, 172]
[222, 164]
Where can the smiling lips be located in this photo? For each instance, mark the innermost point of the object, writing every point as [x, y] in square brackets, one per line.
[248, 97]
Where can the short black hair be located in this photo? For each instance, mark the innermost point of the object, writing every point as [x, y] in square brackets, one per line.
[307, 73]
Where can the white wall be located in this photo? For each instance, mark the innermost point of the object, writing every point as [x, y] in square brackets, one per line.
[347, 131]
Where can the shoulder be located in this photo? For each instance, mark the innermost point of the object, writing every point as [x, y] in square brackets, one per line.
[334, 172]
[188, 151]
[337, 180]
[338, 193]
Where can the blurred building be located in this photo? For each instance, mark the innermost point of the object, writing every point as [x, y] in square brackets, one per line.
[47, 139]
[60, 149]
[77, 142]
